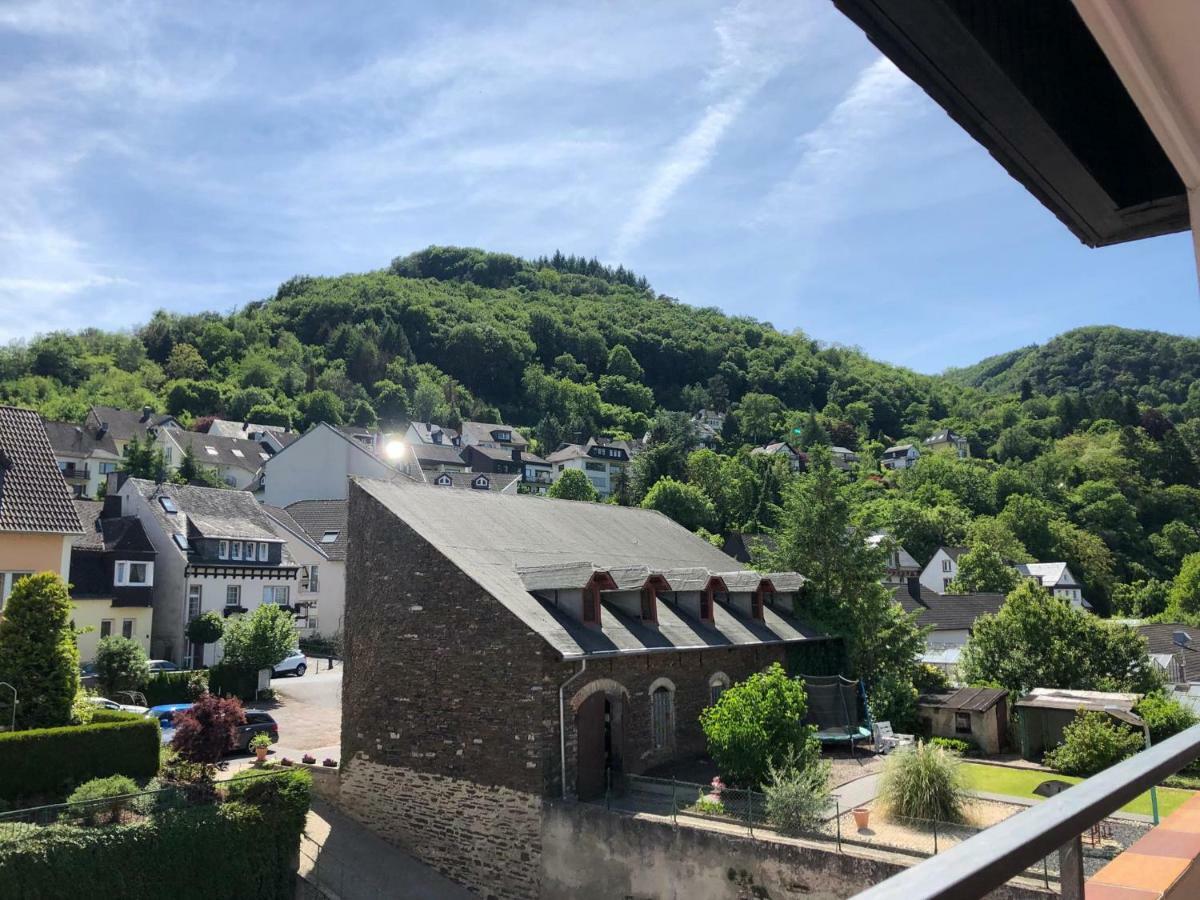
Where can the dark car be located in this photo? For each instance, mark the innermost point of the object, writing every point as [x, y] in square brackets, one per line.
[257, 722]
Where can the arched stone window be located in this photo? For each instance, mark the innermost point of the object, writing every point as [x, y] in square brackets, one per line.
[718, 683]
[662, 713]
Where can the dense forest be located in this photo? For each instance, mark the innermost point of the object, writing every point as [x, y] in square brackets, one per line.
[1083, 449]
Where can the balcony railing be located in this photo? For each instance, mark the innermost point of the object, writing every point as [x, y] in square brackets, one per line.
[76, 473]
[985, 862]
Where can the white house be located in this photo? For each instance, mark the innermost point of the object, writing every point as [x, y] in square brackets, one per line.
[947, 440]
[431, 433]
[274, 436]
[709, 426]
[900, 565]
[780, 448]
[900, 456]
[492, 434]
[941, 569]
[85, 456]
[315, 531]
[235, 461]
[843, 458]
[218, 551]
[123, 425]
[604, 463]
[318, 465]
[1058, 579]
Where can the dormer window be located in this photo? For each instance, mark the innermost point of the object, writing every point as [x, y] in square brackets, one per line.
[238, 453]
[481, 483]
[443, 480]
[168, 505]
[329, 537]
[649, 606]
[756, 605]
[237, 550]
[210, 450]
[133, 574]
[222, 549]
[591, 605]
[250, 554]
[706, 605]
[262, 552]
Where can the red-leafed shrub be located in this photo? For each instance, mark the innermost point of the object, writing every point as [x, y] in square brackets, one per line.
[205, 733]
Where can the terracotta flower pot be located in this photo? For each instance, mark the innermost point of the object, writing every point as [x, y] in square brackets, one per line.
[862, 816]
[260, 753]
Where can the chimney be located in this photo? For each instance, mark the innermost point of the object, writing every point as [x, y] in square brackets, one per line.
[115, 481]
[147, 412]
[914, 587]
[516, 455]
[102, 430]
[112, 506]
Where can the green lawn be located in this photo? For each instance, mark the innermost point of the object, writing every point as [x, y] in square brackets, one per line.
[1021, 782]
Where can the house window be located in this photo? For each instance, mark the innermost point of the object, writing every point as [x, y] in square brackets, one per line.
[238, 453]
[233, 595]
[107, 467]
[662, 714]
[222, 549]
[250, 557]
[946, 583]
[649, 606]
[8, 581]
[481, 483]
[962, 723]
[717, 685]
[443, 480]
[194, 593]
[706, 605]
[594, 467]
[211, 451]
[262, 552]
[756, 605]
[236, 547]
[168, 505]
[167, 455]
[276, 593]
[309, 580]
[133, 574]
[591, 605]
[947, 565]
[180, 541]
[106, 628]
[329, 537]
[127, 628]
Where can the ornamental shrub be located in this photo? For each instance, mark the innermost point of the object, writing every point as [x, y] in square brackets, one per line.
[1092, 743]
[956, 745]
[1164, 715]
[116, 789]
[37, 651]
[206, 628]
[797, 797]
[121, 665]
[205, 733]
[261, 639]
[759, 722]
[176, 687]
[924, 782]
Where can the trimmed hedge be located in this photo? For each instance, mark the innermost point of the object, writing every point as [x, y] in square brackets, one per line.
[239, 849]
[226, 681]
[175, 687]
[54, 761]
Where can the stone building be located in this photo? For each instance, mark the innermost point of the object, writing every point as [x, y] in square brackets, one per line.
[506, 651]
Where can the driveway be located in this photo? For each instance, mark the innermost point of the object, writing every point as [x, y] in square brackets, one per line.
[309, 712]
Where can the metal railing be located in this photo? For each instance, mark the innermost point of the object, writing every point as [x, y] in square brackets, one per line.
[983, 863]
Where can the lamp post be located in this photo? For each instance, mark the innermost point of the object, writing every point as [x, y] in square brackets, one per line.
[12, 725]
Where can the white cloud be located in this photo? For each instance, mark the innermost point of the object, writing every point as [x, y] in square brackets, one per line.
[755, 42]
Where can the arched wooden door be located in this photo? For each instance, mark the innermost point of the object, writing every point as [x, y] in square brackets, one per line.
[598, 731]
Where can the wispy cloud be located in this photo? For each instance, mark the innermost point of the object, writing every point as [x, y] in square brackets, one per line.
[755, 41]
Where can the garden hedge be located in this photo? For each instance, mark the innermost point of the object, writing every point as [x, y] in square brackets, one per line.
[226, 681]
[239, 849]
[53, 761]
[175, 687]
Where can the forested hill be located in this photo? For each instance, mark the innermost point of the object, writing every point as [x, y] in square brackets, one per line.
[1156, 368]
[1084, 449]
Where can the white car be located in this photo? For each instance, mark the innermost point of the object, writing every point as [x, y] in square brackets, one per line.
[295, 664]
[105, 703]
[162, 665]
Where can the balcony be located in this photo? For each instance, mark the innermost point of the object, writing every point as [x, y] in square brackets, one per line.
[986, 861]
[75, 473]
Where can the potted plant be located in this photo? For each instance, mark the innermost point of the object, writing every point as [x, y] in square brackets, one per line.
[308, 759]
[330, 762]
[260, 743]
[862, 816]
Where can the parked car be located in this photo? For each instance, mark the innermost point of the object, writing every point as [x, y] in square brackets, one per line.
[166, 717]
[105, 703]
[295, 664]
[257, 722]
[162, 665]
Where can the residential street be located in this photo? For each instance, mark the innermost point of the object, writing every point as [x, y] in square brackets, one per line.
[309, 712]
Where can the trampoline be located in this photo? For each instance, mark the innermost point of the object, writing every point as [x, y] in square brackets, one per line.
[838, 707]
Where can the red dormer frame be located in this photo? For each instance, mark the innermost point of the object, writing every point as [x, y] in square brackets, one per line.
[707, 600]
[591, 596]
[756, 598]
[650, 591]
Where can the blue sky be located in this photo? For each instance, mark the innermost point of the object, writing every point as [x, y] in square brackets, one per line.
[760, 157]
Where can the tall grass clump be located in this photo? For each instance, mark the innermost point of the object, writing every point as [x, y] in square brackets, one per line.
[925, 782]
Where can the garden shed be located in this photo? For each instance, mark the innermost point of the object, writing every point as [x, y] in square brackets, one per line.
[1043, 713]
[977, 715]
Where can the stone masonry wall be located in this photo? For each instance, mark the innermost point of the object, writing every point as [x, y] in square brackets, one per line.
[445, 735]
[487, 838]
[688, 671]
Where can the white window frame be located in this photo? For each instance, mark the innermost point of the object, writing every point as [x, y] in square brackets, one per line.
[947, 565]
[222, 549]
[235, 549]
[8, 580]
[128, 625]
[195, 598]
[271, 594]
[715, 681]
[263, 555]
[234, 591]
[251, 551]
[109, 623]
[124, 567]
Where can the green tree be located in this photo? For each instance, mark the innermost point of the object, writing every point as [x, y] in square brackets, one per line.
[121, 665]
[843, 594]
[322, 406]
[984, 569]
[1038, 640]
[144, 459]
[1183, 601]
[185, 361]
[812, 433]
[261, 639]
[685, 503]
[206, 628]
[572, 484]
[759, 417]
[38, 655]
[758, 724]
[1092, 743]
[621, 363]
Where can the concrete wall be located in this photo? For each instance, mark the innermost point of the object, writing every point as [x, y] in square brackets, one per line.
[591, 854]
[317, 467]
[985, 726]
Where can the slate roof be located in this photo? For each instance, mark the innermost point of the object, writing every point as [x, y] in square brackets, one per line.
[497, 483]
[69, 439]
[1050, 574]
[897, 449]
[904, 558]
[953, 552]
[740, 545]
[1161, 637]
[425, 431]
[89, 575]
[502, 541]
[125, 424]
[439, 454]
[945, 436]
[505, 454]
[231, 429]
[253, 454]
[775, 447]
[474, 432]
[967, 699]
[33, 495]
[291, 530]
[316, 517]
[208, 512]
[948, 612]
